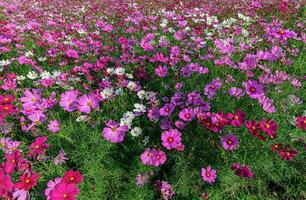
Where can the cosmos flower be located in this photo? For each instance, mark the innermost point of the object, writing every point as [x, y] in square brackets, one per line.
[6, 183]
[209, 175]
[63, 191]
[243, 170]
[161, 71]
[71, 53]
[54, 126]
[187, 114]
[165, 189]
[269, 127]
[39, 146]
[254, 89]
[27, 181]
[287, 153]
[74, 177]
[236, 92]
[236, 119]
[60, 158]
[167, 109]
[88, 102]
[171, 138]
[229, 142]
[69, 100]
[153, 157]
[114, 132]
[301, 122]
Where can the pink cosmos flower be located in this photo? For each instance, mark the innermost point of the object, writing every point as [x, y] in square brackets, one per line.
[187, 114]
[21, 195]
[269, 127]
[229, 142]
[5, 183]
[86, 103]
[153, 157]
[47, 82]
[147, 157]
[63, 191]
[167, 109]
[209, 175]
[11, 161]
[254, 89]
[236, 92]
[166, 190]
[161, 71]
[37, 117]
[27, 181]
[51, 185]
[39, 146]
[114, 132]
[54, 126]
[159, 158]
[74, 177]
[31, 97]
[171, 138]
[212, 87]
[69, 100]
[71, 53]
[60, 158]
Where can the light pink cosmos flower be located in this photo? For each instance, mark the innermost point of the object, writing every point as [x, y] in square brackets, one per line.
[170, 139]
[60, 158]
[51, 185]
[31, 97]
[88, 102]
[114, 132]
[69, 100]
[209, 175]
[54, 126]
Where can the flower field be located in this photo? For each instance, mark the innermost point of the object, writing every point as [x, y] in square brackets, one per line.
[148, 100]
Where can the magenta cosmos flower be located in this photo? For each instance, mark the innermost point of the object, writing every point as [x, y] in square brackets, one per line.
[254, 89]
[114, 132]
[153, 157]
[187, 114]
[243, 170]
[301, 122]
[209, 175]
[88, 102]
[236, 119]
[171, 138]
[229, 142]
[287, 153]
[63, 191]
[269, 127]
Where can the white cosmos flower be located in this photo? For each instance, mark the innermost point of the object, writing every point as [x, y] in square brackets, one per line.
[136, 131]
[32, 75]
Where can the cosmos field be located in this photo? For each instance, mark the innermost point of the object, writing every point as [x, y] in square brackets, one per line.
[152, 100]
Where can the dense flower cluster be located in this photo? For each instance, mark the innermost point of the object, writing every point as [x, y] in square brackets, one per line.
[187, 72]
